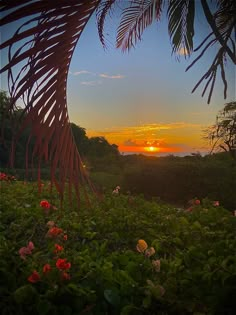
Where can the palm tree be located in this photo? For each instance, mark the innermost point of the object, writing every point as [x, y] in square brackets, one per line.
[45, 42]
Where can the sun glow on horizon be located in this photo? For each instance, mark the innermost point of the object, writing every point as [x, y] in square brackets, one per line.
[151, 149]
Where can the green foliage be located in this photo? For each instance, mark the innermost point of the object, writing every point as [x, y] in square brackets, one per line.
[176, 180]
[108, 275]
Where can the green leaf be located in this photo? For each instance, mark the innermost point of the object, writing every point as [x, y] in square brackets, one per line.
[25, 295]
[126, 310]
[112, 296]
[43, 307]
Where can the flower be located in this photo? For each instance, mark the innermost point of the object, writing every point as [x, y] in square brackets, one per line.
[65, 237]
[156, 265]
[190, 209]
[197, 202]
[115, 191]
[50, 224]
[45, 204]
[58, 248]
[62, 264]
[34, 277]
[141, 246]
[65, 276]
[23, 251]
[30, 246]
[216, 203]
[46, 268]
[3, 176]
[150, 251]
[54, 231]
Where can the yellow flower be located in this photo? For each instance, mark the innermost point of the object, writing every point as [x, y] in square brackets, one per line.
[149, 252]
[156, 265]
[141, 246]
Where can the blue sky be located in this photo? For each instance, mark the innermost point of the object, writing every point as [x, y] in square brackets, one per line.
[141, 98]
[111, 93]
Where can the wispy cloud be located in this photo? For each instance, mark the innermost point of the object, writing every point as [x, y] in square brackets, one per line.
[91, 83]
[107, 76]
[101, 75]
[75, 73]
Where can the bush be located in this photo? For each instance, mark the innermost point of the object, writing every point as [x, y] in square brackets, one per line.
[123, 255]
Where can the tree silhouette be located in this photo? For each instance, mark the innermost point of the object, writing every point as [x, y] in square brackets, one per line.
[222, 135]
[43, 47]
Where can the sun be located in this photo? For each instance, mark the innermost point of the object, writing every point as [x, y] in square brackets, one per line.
[151, 149]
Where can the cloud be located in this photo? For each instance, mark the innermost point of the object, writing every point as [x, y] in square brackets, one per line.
[106, 76]
[91, 83]
[130, 143]
[101, 75]
[75, 73]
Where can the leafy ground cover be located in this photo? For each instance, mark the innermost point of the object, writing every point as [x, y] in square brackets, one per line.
[122, 255]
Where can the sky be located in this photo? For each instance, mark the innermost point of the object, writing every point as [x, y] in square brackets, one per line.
[142, 100]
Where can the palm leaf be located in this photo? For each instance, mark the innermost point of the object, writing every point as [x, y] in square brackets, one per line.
[181, 25]
[134, 20]
[102, 10]
[43, 46]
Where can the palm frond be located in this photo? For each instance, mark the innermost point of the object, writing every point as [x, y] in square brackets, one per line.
[43, 46]
[102, 10]
[222, 24]
[134, 20]
[181, 25]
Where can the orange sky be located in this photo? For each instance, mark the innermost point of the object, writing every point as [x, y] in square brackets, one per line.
[155, 138]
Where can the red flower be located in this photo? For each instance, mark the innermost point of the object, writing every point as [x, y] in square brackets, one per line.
[3, 176]
[216, 203]
[65, 237]
[54, 231]
[62, 264]
[46, 268]
[45, 204]
[197, 202]
[34, 277]
[58, 248]
[190, 209]
[65, 276]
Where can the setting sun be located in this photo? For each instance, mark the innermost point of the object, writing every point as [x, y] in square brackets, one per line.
[151, 149]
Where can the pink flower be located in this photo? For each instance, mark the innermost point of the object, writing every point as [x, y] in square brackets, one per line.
[190, 209]
[197, 202]
[30, 246]
[23, 251]
[216, 203]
